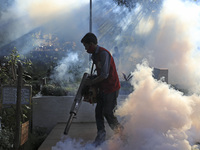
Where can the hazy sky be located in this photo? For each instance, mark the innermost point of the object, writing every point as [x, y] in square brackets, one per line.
[156, 115]
[167, 37]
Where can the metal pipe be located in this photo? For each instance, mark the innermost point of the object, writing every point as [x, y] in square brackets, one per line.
[90, 15]
[90, 28]
[76, 103]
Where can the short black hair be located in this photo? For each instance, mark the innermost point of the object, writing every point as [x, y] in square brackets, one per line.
[89, 37]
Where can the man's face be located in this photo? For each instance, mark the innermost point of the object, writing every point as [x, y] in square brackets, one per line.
[89, 47]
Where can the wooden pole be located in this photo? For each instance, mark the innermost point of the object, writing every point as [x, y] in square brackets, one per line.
[18, 108]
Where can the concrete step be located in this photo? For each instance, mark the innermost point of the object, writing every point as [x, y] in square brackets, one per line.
[85, 131]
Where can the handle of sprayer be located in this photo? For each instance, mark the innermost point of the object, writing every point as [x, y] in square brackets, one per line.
[76, 103]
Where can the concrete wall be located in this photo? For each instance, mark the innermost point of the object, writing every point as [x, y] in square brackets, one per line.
[50, 110]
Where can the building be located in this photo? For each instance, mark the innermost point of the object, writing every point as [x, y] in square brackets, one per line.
[160, 74]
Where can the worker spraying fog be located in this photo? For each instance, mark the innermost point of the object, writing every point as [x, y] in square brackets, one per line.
[155, 115]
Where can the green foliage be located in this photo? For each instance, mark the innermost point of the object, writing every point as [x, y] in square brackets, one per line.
[8, 118]
[152, 4]
[8, 76]
[127, 3]
[36, 138]
[8, 73]
[8, 127]
[8, 122]
[41, 68]
[127, 78]
[6, 138]
[52, 90]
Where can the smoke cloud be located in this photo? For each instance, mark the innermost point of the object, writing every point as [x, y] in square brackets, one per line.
[24, 16]
[175, 42]
[167, 36]
[43, 11]
[155, 115]
[67, 69]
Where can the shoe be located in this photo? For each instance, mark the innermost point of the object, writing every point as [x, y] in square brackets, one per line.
[100, 138]
[119, 132]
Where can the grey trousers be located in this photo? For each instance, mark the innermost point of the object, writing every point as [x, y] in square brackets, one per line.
[105, 107]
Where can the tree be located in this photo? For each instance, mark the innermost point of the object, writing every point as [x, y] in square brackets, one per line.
[132, 3]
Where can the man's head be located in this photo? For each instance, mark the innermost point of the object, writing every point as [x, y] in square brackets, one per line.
[90, 42]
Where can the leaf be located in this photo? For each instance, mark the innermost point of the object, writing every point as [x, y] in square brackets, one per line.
[25, 116]
[27, 107]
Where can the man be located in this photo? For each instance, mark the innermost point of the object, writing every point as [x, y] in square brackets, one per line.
[108, 83]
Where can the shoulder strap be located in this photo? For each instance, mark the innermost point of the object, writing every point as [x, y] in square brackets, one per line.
[92, 68]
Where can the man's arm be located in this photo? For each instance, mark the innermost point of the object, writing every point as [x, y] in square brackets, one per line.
[105, 67]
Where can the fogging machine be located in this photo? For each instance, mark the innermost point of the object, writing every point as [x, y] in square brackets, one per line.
[82, 90]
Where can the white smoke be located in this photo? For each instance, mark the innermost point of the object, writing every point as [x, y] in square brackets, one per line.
[168, 37]
[175, 42]
[23, 16]
[67, 69]
[156, 116]
[43, 11]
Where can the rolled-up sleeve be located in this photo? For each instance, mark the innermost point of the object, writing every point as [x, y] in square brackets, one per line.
[105, 64]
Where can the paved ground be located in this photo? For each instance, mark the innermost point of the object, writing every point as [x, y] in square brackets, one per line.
[85, 131]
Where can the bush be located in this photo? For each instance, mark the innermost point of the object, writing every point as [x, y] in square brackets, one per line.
[7, 139]
[52, 90]
[36, 138]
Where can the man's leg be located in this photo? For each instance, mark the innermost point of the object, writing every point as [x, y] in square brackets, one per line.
[110, 103]
[101, 133]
